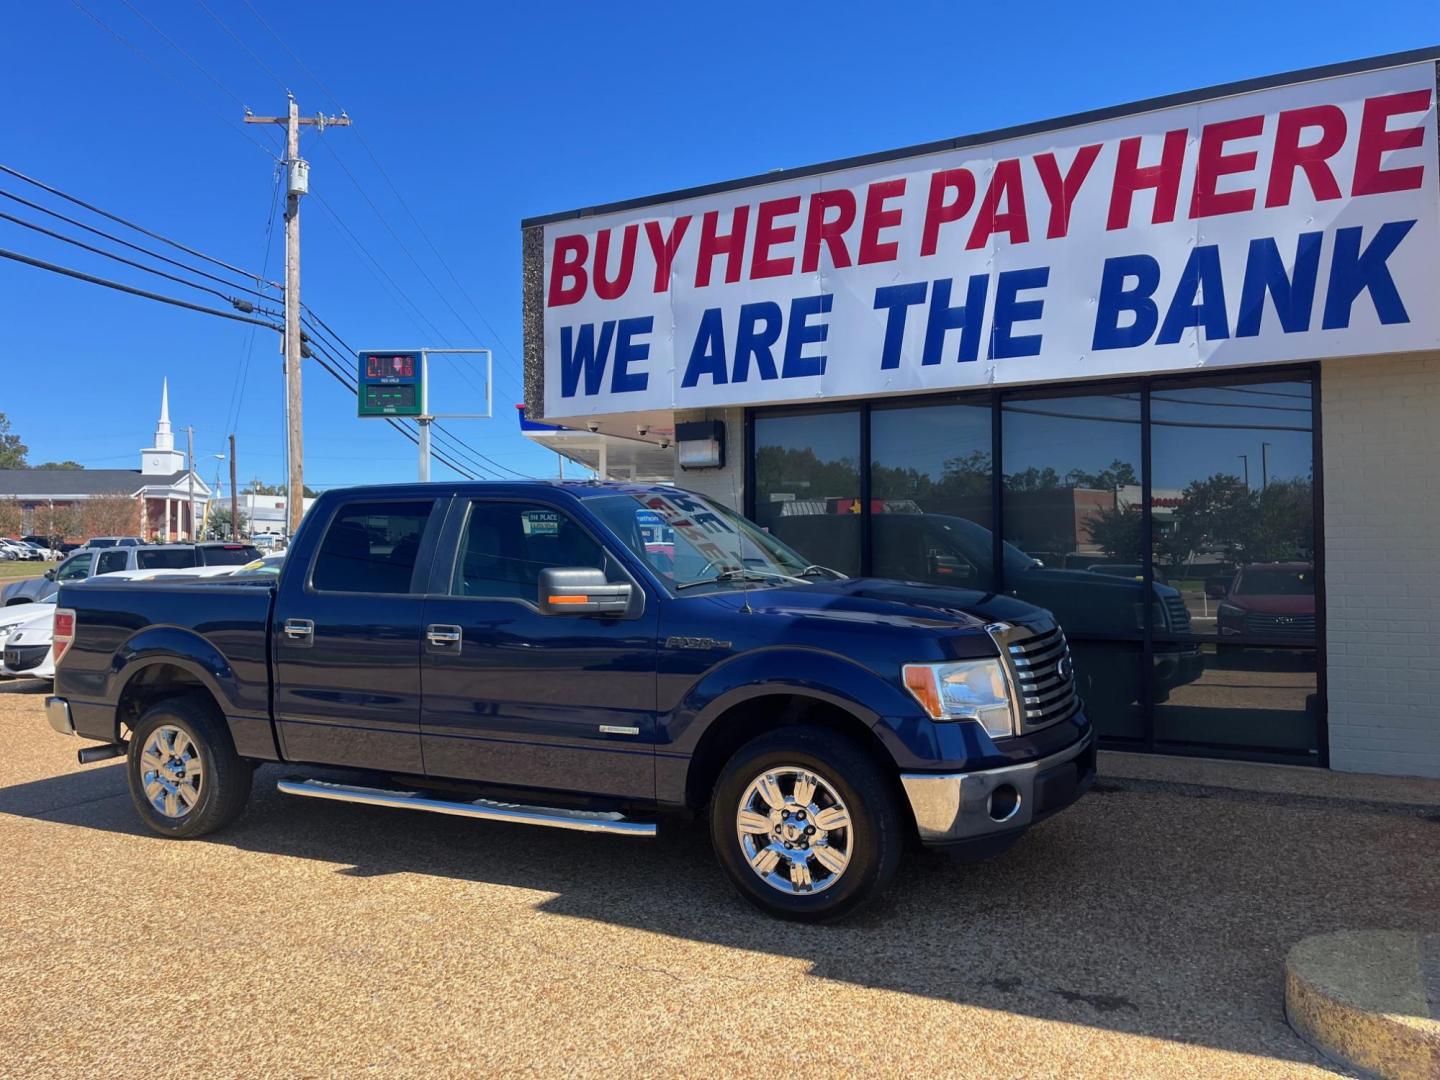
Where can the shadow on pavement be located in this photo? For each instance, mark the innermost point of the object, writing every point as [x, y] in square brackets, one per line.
[1156, 913]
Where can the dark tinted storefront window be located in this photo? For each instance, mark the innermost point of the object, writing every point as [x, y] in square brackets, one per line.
[930, 494]
[1215, 655]
[807, 484]
[1233, 507]
[1264, 701]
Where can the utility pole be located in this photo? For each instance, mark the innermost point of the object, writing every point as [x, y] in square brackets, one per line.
[234, 495]
[297, 184]
[1246, 459]
[1264, 465]
[190, 475]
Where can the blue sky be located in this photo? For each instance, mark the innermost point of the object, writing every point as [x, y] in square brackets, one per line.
[483, 114]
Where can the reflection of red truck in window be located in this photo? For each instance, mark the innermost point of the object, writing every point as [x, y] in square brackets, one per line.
[1270, 600]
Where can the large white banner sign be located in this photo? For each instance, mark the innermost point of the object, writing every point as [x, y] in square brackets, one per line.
[1294, 223]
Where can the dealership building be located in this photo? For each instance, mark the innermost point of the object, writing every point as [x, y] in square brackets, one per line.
[1170, 369]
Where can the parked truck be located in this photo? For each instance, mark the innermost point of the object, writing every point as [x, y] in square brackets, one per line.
[526, 652]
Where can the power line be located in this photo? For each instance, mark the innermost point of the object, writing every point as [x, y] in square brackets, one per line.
[237, 391]
[321, 353]
[138, 228]
[394, 188]
[133, 247]
[403, 246]
[175, 301]
[143, 56]
[177, 47]
[121, 259]
[379, 272]
[240, 41]
[475, 456]
[285, 45]
[350, 386]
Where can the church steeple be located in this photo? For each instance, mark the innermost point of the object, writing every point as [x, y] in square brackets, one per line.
[162, 459]
[164, 438]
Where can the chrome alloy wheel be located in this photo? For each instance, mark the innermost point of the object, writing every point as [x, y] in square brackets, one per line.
[171, 771]
[794, 830]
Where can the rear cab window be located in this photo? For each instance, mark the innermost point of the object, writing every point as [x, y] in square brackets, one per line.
[372, 547]
[228, 554]
[173, 559]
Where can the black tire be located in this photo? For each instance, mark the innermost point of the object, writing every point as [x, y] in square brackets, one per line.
[874, 838]
[224, 785]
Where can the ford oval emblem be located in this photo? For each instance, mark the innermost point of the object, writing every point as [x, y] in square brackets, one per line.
[1063, 667]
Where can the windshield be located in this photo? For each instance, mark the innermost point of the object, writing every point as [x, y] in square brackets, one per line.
[1276, 583]
[686, 538]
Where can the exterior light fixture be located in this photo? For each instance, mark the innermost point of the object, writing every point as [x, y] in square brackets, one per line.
[700, 444]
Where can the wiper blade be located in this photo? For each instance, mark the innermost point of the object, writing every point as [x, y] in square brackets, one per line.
[736, 575]
[815, 569]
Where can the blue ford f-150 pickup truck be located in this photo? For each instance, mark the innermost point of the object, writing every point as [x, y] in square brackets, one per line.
[587, 656]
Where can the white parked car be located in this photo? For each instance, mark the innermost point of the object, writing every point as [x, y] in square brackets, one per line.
[16, 549]
[29, 651]
[15, 614]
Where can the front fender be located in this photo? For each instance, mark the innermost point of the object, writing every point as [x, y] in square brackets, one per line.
[782, 669]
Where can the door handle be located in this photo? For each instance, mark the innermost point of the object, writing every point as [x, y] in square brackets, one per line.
[300, 631]
[443, 634]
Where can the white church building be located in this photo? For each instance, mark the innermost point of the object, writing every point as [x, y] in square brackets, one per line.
[162, 486]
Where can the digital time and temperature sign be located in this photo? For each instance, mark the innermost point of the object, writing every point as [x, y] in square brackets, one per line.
[391, 384]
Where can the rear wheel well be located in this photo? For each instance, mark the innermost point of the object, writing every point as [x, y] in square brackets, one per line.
[158, 682]
[747, 720]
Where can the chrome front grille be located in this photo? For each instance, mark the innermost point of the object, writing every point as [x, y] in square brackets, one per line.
[1177, 615]
[1280, 625]
[1044, 675]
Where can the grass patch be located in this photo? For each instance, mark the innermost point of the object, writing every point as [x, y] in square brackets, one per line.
[11, 570]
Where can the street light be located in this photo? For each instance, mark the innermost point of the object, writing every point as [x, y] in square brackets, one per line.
[1265, 464]
[1246, 459]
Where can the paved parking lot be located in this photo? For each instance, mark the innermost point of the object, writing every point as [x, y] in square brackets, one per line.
[1140, 934]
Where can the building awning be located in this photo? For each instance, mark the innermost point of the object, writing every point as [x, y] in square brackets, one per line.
[612, 457]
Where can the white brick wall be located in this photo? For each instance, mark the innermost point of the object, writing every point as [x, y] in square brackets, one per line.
[725, 485]
[1381, 436]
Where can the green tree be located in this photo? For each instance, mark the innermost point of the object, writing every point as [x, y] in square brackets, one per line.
[1219, 513]
[220, 522]
[1117, 532]
[12, 450]
[258, 487]
[1033, 479]
[67, 464]
[1117, 474]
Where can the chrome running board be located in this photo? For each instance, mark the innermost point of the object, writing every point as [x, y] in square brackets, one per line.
[485, 809]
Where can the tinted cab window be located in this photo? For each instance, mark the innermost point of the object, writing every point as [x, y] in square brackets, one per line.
[371, 547]
[164, 559]
[228, 554]
[506, 545]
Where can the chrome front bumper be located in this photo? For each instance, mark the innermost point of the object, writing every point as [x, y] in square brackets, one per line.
[959, 806]
[57, 711]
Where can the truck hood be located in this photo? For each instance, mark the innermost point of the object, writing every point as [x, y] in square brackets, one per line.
[882, 602]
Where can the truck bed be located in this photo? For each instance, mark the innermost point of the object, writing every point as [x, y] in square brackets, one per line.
[216, 630]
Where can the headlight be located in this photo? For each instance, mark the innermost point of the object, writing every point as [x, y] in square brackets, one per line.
[964, 690]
